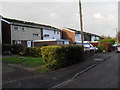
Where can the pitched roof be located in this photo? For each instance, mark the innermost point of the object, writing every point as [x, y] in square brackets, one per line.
[83, 32]
[26, 22]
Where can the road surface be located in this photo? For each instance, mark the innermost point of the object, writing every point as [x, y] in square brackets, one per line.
[105, 75]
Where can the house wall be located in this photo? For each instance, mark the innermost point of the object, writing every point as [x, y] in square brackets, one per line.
[93, 38]
[6, 33]
[51, 34]
[87, 37]
[27, 34]
[38, 44]
[97, 38]
[77, 37]
[70, 35]
[23, 42]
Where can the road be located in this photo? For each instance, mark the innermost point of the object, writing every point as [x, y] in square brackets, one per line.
[105, 75]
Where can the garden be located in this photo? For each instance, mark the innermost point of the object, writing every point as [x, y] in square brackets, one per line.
[47, 57]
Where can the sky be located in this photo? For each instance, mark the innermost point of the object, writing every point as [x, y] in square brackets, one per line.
[99, 17]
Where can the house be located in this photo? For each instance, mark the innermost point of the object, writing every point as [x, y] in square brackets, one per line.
[29, 34]
[75, 35]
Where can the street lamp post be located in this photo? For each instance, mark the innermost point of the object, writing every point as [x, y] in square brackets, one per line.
[81, 22]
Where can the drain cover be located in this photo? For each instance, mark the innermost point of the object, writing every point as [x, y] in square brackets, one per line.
[98, 59]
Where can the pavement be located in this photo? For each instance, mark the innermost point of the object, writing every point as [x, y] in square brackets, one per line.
[20, 78]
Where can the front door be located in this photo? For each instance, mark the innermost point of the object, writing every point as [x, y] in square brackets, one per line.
[29, 44]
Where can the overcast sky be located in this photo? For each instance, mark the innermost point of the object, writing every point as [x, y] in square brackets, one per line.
[98, 17]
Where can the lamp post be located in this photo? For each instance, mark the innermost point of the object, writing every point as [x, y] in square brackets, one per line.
[81, 22]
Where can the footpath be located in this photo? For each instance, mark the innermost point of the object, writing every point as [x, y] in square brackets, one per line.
[14, 77]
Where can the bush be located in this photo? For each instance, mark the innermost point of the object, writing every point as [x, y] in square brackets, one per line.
[101, 47]
[14, 49]
[107, 46]
[62, 56]
[6, 47]
[32, 51]
[108, 40]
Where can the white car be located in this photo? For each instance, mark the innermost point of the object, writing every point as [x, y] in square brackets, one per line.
[118, 48]
[88, 46]
[116, 44]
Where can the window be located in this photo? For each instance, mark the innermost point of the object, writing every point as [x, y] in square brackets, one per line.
[15, 27]
[34, 34]
[23, 28]
[46, 35]
[17, 42]
[57, 32]
[54, 31]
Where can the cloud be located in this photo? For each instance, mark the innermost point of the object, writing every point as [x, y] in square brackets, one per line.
[98, 16]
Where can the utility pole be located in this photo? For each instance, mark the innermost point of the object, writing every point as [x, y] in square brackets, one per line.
[117, 34]
[81, 22]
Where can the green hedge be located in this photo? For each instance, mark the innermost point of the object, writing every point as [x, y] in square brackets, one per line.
[6, 47]
[108, 40]
[32, 51]
[101, 47]
[62, 56]
[14, 49]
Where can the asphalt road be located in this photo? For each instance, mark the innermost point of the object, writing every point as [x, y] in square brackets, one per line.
[108, 70]
[104, 75]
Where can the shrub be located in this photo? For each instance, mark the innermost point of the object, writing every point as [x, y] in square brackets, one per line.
[62, 56]
[108, 46]
[32, 51]
[16, 48]
[108, 40]
[6, 47]
[101, 47]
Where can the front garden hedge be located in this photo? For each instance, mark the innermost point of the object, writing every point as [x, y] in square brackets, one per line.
[32, 51]
[62, 56]
[14, 49]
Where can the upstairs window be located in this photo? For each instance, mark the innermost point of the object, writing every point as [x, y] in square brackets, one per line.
[15, 27]
[34, 34]
[46, 35]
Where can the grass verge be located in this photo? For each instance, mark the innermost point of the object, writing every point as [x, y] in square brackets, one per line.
[25, 61]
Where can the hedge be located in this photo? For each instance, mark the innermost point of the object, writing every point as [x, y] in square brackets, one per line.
[62, 56]
[107, 46]
[14, 49]
[32, 51]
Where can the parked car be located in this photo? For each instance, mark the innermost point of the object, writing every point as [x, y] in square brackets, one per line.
[88, 46]
[118, 49]
[116, 44]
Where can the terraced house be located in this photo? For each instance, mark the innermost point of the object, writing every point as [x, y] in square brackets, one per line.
[75, 35]
[30, 34]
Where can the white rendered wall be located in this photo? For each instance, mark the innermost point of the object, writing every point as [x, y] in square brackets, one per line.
[51, 34]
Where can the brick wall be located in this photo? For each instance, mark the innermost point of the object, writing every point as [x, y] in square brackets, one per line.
[37, 44]
[70, 35]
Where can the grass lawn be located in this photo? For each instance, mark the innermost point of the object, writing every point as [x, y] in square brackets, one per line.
[25, 61]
